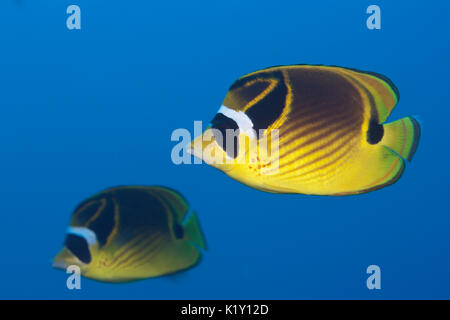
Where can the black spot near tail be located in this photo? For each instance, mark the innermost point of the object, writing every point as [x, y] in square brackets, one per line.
[375, 132]
[178, 231]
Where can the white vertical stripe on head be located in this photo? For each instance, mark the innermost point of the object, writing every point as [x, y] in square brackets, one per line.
[85, 233]
[244, 123]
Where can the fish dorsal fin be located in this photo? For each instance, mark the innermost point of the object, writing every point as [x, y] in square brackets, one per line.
[174, 200]
[383, 91]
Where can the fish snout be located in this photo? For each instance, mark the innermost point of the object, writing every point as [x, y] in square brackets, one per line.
[59, 265]
[63, 259]
[197, 146]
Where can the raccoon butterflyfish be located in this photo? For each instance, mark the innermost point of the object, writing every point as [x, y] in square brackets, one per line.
[131, 233]
[309, 129]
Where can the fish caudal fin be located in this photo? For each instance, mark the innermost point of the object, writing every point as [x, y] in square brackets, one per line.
[384, 164]
[193, 231]
[402, 136]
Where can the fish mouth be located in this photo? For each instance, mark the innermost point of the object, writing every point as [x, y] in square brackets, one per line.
[196, 148]
[63, 259]
[59, 265]
[196, 152]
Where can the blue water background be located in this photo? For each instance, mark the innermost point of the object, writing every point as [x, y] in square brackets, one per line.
[84, 110]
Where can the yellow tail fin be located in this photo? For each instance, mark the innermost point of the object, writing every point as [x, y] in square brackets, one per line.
[193, 230]
[402, 136]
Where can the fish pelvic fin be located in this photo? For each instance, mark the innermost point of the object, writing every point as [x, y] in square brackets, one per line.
[402, 136]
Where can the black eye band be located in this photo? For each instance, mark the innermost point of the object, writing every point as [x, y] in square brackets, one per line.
[104, 224]
[87, 210]
[79, 247]
[265, 112]
[223, 123]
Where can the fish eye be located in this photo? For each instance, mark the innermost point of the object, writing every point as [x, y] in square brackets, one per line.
[79, 247]
[224, 124]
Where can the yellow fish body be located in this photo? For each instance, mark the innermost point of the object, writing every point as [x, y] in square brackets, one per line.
[329, 121]
[131, 233]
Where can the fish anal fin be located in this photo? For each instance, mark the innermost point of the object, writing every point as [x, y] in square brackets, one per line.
[382, 167]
